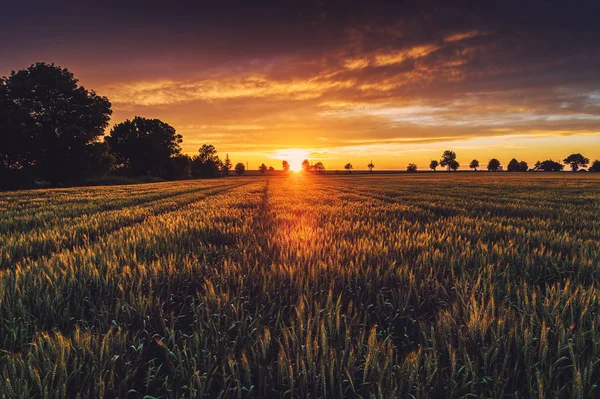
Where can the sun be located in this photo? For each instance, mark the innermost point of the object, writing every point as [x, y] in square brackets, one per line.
[294, 156]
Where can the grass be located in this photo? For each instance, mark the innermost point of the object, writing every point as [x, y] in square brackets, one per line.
[429, 285]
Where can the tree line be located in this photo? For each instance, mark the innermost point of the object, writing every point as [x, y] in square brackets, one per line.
[51, 130]
[576, 162]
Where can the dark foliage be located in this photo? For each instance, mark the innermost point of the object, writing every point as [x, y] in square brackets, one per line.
[49, 127]
[144, 146]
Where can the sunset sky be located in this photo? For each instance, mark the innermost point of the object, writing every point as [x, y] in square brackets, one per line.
[335, 81]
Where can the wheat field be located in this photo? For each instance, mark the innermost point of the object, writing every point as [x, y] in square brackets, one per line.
[430, 285]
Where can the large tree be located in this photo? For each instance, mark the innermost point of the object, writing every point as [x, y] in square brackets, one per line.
[50, 126]
[207, 162]
[549, 166]
[493, 165]
[144, 146]
[306, 166]
[595, 166]
[319, 167]
[576, 161]
[240, 169]
[513, 165]
[449, 160]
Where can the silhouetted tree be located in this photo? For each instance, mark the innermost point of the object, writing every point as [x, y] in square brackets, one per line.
[286, 166]
[516, 166]
[433, 165]
[513, 166]
[144, 146]
[179, 167]
[550, 166]
[523, 166]
[306, 166]
[411, 168]
[370, 166]
[207, 162]
[348, 167]
[319, 167]
[576, 161]
[595, 166]
[49, 125]
[271, 169]
[262, 169]
[449, 160]
[474, 165]
[240, 168]
[493, 165]
[226, 165]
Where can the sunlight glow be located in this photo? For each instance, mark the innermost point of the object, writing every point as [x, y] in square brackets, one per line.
[294, 156]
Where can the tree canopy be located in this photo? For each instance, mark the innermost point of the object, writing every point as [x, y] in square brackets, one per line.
[144, 146]
[576, 161]
[50, 125]
[433, 164]
[240, 169]
[319, 167]
[549, 166]
[207, 162]
[449, 160]
[493, 165]
[474, 164]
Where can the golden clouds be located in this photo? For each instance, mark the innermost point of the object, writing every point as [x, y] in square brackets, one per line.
[172, 92]
[462, 36]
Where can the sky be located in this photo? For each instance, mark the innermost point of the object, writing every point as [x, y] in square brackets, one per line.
[334, 81]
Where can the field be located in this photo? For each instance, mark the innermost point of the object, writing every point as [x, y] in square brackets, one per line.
[427, 285]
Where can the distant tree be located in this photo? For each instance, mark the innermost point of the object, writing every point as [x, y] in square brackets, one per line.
[348, 167]
[493, 165]
[474, 165]
[144, 146]
[319, 167]
[306, 166]
[271, 169]
[433, 165]
[550, 166]
[513, 166]
[537, 166]
[207, 162]
[262, 169]
[370, 166]
[286, 166]
[179, 167]
[240, 168]
[411, 168]
[523, 166]
[576, 161]
[50, 126]
[227, 165]
[449, 160]
[595, 166]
